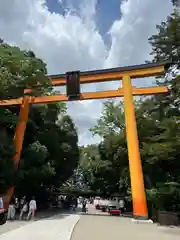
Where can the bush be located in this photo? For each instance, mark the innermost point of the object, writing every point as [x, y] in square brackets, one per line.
[166, 197]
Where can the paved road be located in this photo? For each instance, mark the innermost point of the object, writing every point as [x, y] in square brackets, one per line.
[105, 227]
[76, 226]
[9, 226]
[58, 227]
[109, 227]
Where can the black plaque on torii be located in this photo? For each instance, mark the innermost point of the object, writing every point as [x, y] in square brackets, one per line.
[73, 88]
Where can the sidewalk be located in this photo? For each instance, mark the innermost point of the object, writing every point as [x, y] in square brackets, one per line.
[11, 225]
[56, 227]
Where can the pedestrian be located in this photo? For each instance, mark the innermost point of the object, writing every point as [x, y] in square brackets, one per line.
[22, 202]
[11, 210]
[84, 202]
[121, 206]
[24, 209]
[16, 204]
[32, 208]
[74, 203]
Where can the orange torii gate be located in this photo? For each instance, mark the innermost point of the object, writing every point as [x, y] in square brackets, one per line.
[127, 91]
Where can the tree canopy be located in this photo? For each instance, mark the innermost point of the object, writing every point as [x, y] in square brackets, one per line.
[175, 2]
[50, 141]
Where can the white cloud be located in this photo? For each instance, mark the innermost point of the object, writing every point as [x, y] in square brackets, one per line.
[73, 41]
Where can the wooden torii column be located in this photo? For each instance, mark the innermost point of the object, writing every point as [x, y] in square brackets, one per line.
[127, 91]
[137, 182]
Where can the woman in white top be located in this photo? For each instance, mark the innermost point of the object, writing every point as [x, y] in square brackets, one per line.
[121, 205]
[11, 209]
[32, 208]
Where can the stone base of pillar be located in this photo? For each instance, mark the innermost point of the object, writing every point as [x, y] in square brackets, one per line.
[140, 219]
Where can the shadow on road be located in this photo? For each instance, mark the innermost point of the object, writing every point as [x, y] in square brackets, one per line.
[50, 214]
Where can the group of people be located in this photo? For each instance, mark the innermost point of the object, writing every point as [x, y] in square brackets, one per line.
[82, 201]
[22, 206]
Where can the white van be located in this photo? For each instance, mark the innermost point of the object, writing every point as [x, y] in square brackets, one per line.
[96, 202]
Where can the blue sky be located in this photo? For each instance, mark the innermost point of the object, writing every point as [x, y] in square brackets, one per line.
[107, 12]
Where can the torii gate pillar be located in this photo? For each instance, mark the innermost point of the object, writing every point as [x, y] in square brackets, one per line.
[136, 174]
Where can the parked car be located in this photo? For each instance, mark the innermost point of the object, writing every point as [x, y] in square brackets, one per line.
[114, 210]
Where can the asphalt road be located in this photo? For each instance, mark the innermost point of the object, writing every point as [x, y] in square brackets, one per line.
[104, 227]
[93, 226]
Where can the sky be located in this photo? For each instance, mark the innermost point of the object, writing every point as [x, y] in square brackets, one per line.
[84, 35]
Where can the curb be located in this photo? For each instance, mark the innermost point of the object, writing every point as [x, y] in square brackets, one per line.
[141, 221]
[73, 228]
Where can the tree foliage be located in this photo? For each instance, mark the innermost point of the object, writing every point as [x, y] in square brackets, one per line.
[21, 70]
[50, 149]
[175, 2]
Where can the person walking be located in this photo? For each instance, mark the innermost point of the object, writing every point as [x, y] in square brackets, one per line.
[32, 208]
[11, 210]
[121, 206]
[21, 203]
[16, 205]
[23, 210]
[74, 204]
[84, 203]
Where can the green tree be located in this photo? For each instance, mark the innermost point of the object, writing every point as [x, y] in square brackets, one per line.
[175, 2]
[89, 164]
[111, 121]
[18, 70]
[7, 172]
[50, 145]
[21, 70]
[166, 46]
[111, 172]
[50, 150]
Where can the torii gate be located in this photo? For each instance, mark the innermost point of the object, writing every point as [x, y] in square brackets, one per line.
[125, 74]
